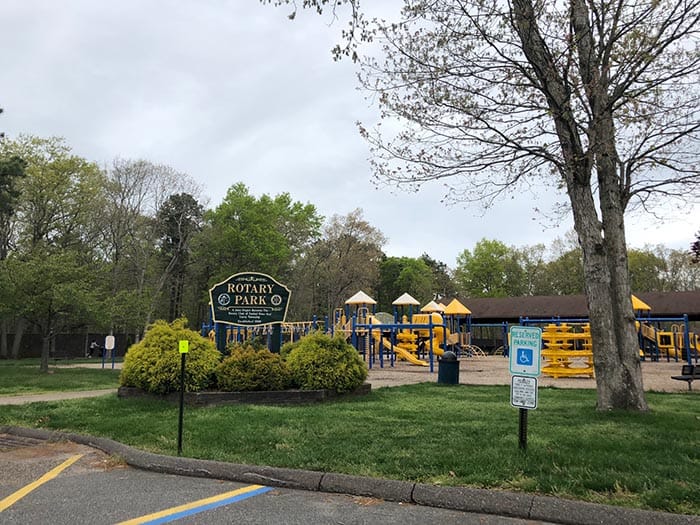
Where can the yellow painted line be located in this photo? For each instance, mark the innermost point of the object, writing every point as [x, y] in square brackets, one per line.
[167, 515]
[14, 498]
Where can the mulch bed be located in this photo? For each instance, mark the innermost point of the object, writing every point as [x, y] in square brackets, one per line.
[279, 397]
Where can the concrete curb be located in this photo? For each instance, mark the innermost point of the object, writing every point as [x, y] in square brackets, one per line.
[501, 503]
[387, 489]
[496, 502]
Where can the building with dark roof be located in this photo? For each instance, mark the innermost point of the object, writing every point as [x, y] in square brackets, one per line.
[511, 309]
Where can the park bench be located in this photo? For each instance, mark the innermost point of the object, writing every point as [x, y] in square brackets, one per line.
[688, 373]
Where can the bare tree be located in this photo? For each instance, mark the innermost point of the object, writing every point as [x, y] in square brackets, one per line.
[344, 261]
[596, 97]
[135, 195]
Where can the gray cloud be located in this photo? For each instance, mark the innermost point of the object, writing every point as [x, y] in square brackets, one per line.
[234, 91]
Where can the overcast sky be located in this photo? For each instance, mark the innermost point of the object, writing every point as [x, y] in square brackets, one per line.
[231, 91]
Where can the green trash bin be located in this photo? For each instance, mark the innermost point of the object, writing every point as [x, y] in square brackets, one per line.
[448, 369]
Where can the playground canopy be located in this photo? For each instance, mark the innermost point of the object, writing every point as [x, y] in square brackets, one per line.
[456, 308]
[406, 300]
[432, 306]
[638, 304]
[360, 298]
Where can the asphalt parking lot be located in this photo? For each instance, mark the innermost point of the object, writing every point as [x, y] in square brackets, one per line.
[67, 483]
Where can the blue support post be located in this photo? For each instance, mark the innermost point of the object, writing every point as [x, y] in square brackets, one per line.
[392, 354]
[353, 335]
[686, 339]
[369, 347]
[430, 350]
[381, 350]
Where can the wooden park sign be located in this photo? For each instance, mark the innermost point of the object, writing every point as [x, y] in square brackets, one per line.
[249, 299]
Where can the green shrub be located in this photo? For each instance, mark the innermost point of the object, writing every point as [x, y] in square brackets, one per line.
[287, 348]
[154, 363]
[256, 343]
[318, 361]
[247, 369]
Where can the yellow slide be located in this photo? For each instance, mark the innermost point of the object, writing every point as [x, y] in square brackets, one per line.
[401, 352]
[437, 341]
[438, 334]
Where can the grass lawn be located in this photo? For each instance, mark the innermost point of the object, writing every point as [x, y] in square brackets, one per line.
[448, 435]
[23, 377]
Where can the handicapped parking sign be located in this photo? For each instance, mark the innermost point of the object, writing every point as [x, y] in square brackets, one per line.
[525, 346]
[524, 356]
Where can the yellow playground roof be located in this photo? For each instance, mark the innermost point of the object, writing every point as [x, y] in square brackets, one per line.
[360, 298]
[432, 306]
[456, 308]
[405, 300]
[638, 304]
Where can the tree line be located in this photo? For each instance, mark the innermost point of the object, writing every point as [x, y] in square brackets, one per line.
[85, 248]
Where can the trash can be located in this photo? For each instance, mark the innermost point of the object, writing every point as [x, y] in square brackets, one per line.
[448, 369]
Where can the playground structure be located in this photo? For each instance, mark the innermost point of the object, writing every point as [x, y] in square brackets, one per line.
[416, 338]
[289, 332]
[567, 347]
[567, 350]
[659, 337]
[673, 342]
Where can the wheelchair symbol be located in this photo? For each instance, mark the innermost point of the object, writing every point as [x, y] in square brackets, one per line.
[525, 356]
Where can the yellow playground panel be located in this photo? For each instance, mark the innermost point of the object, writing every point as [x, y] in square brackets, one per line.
[670, 343]
[567, 350]
[567, 347]
[410, 339]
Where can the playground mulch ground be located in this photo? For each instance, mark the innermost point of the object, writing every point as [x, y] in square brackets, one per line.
[494, 370]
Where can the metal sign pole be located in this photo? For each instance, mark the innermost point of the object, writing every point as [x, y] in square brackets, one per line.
[182, 404]
[184, 347]
[522, 433]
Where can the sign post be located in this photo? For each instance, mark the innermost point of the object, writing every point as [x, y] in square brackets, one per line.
[184, 348]
[525, 359]
[109, 347]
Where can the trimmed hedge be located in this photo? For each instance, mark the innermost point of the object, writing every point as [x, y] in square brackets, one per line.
[318, 361]
[315, 362]
[153, 364]
[247, 369]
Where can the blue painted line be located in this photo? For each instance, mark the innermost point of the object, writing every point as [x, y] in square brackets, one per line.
[209, 506]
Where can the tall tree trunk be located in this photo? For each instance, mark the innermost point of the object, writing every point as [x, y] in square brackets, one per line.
[45, 351]
[621, 384]
[20, 326]
[3, 339]
[615, 352]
